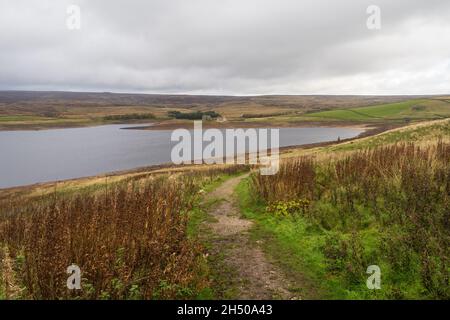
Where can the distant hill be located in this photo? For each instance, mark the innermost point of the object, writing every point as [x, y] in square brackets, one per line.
[48, 109]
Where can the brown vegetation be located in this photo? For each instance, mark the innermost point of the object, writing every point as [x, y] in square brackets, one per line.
[130, 241]
[388, 205]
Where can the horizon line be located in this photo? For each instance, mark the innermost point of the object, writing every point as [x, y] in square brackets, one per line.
[228, 95]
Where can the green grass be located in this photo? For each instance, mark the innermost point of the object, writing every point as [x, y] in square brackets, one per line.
[297, 246]
[287, 244]
[439, 129]
[407, 110]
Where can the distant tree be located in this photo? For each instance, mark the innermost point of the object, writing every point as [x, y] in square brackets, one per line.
[197, 115]
[132, 116]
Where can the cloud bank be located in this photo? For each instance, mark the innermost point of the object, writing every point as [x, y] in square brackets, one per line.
[226, 47]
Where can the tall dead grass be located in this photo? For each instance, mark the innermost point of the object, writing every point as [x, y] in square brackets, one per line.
[401, 192]
[130, 241]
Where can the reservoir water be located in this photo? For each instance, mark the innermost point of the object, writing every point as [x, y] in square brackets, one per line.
[28, 157]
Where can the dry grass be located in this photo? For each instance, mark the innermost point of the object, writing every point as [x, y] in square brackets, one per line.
[387, 204]
[130, 241]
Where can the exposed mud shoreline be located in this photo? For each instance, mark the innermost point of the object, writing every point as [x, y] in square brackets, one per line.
[172, 125]
[239, 124]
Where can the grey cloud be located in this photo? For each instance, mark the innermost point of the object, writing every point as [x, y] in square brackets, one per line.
[227, 47]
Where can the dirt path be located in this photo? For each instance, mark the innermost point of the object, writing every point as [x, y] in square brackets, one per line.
[244, 264]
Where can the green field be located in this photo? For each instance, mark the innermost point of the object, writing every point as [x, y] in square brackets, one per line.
[407, 110]
[421, 132]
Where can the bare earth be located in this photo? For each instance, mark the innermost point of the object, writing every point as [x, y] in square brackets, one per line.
[251, 274]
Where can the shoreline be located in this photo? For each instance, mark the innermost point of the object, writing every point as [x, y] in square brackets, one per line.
[164, 168]
[244, 125]
[169, 125]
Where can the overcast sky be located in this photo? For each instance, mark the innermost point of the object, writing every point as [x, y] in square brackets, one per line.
[226, 46]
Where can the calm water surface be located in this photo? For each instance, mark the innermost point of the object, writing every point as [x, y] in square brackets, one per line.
[28, 157]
